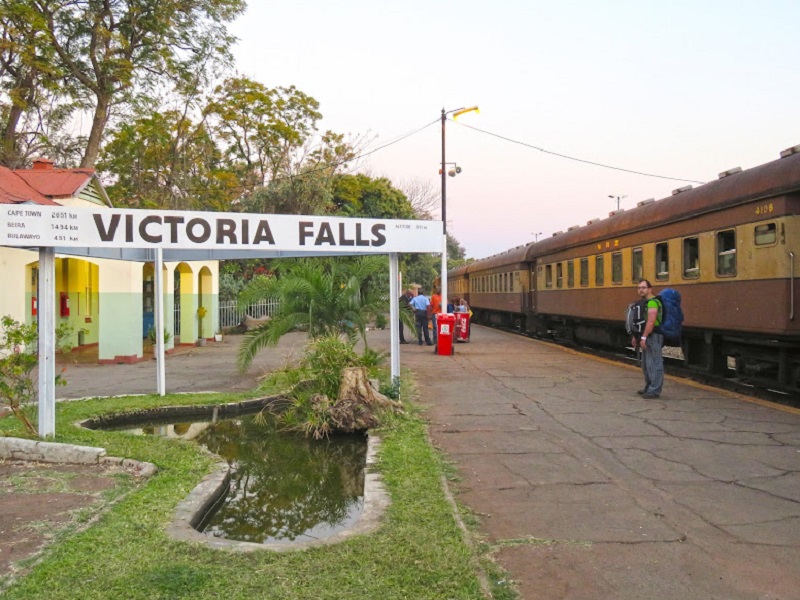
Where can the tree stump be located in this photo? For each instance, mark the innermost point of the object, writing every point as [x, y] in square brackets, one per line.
[358, 403]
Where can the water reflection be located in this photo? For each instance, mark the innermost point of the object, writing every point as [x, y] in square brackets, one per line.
[283, 487]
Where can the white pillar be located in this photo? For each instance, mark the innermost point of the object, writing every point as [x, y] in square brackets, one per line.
[161, 383]
[47, 342]
[394, 316]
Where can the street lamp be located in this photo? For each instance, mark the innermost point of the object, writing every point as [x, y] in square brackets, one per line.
[536, 236]
[456, 113]
[618, 198]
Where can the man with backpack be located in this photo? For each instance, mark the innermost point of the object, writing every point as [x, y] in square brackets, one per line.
[651, 343]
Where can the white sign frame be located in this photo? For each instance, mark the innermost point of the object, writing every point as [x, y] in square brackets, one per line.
[156, 235]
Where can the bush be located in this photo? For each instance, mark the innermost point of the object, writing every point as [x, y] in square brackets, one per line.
[151, 336]
[324, 361]
[315, 407]
[18, 359]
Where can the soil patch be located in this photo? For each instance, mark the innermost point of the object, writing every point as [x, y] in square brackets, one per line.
[41, 501]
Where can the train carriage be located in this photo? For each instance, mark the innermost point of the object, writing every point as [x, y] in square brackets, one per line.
[499, 289]
[730, 247]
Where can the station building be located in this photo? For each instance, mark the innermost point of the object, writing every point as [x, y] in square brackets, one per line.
[107, 303]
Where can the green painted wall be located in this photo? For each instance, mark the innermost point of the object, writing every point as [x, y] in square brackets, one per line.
[120, 325]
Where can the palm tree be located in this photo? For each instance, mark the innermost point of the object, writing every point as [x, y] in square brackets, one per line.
[321, 297]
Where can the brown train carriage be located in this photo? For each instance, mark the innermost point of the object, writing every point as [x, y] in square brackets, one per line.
[458, 284]
[730, 247]
[499, 288]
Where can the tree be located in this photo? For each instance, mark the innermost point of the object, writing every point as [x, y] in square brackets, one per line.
[424, 195]
[36, 111]
[164, 160]
[455, 251]
[320, 297]
[110, 50]
[262, 129]
[307, 193]
[363, 196]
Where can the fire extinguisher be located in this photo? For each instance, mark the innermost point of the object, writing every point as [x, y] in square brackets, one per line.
[64, 304]
[34, 306]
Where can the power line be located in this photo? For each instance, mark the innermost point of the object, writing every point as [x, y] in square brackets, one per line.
[588, 162]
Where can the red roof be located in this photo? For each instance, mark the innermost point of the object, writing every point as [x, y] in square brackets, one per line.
[56, 183]
[15, 190]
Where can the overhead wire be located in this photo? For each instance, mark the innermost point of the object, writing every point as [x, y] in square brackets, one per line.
[589, 162]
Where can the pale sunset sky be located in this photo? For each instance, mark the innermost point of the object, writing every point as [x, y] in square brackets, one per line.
[684, 89]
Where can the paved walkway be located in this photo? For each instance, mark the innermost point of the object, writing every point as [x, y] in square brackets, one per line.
[590, 492]
[586, 490]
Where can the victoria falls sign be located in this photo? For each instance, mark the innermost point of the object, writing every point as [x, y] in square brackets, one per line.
[37, 226]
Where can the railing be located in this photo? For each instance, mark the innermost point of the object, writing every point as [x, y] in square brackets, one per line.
[231, 316]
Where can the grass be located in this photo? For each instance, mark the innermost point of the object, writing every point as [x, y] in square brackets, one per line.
[418, 552]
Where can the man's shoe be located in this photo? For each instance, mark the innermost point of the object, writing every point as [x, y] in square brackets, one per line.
[429, 343]
[420, 343]
[403, 342]
[640, 392]
[649, 396]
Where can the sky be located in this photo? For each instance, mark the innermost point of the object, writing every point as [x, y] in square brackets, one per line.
[681, 89]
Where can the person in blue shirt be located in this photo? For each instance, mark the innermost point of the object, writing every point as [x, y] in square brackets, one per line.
[420, 305]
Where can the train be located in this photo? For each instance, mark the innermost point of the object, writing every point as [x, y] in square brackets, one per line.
[731, 248]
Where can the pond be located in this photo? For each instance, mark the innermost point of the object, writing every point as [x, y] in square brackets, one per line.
[283, 487]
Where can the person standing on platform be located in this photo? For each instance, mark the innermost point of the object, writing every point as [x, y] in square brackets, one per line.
[405, 305]
[651, 344]
[420, 304]
[436, 308]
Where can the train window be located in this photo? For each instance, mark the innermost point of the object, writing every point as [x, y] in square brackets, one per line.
[505, 281]
[726, 253]
[584, 272]
[548, 276]
[599, 274]
[637, 265]
[691, 257]
[766, 234]
[559, 274]
[616, 268]
[571, 274]
[662, 261]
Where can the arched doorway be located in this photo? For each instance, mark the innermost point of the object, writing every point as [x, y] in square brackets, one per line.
[185, 302]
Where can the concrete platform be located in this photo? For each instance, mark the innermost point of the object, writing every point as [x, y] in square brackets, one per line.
[586, 490]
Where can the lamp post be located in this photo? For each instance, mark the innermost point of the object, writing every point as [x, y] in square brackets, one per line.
[618, 198]
[456, 113]
[536, 236]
